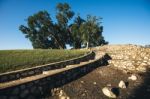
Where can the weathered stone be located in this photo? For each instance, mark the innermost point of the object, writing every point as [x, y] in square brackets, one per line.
[122, 84]
[16, 91]
[37, 71]
[37, 81]
[24, 74]
[145, 61]
[94, 83]
[40, 89]
[109, 85]
[59, 93]
[148, 63]
[143, 64]
[48, 78]
[63, 81]
[12, 76]
[30, 84]
[128, 57]
[4, 78]
[13, 97]
[31, 97]
[108, 92]
[82, 82]
[31, 73]
[22, 87]
[18, 76]
[141, 69]
[146, 58]
[3, 97]
[24, 93]
[132, 77]
[37, 91]
[33, 89]
[64, 97]
[45, 72]
[55, 91]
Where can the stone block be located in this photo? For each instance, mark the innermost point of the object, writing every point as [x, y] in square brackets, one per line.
[24, 93]
[12, 76]
[17, 75]
[31, 72]
[13, 97]
[3, 78]
[16, 91]
[22, 87]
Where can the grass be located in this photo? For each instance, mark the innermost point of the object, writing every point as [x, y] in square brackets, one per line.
[18, 59]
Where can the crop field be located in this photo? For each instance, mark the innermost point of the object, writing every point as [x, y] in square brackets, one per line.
[18, 59]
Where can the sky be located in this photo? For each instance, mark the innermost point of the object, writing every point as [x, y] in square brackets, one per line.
[124, 21]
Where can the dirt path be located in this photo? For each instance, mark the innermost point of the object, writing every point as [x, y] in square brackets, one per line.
[90, 85]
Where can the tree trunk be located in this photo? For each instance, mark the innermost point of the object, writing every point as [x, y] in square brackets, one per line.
[60, 45]
[77, 45]
[87, 45]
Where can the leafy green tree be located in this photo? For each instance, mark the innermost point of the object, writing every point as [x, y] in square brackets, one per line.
[99, 38]
[40, 31]
[64, 14]
[43, 33]
[75, 32]
[35, 31]
[92, 32]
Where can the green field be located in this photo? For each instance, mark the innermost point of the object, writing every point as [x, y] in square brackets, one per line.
[18, 59]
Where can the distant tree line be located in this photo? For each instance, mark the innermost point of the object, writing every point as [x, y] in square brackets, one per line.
[44, 33]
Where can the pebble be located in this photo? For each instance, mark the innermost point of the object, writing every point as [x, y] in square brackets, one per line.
[122, 84]
[82, 82]
[132, 77]
[108, 92]
[94, 83]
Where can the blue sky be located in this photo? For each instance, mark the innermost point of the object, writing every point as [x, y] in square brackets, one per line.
[124, 21]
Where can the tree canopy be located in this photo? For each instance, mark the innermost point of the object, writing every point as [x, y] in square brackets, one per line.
[76, 33]
[44, 33]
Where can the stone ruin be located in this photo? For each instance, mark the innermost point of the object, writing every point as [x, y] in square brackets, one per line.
[129, 58]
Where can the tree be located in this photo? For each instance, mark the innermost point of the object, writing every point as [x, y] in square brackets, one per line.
[91, 31]
[40, 31]
[75, 32]
[43, 33]
[64, 14]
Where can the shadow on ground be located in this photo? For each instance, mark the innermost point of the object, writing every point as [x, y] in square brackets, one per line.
[143, 90]
[47, 92]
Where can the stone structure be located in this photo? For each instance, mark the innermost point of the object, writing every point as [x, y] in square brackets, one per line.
[34, 87]
[19, 74]
[129, 58]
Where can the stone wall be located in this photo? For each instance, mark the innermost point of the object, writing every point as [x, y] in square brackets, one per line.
[129, 58]
[37, 88]
[4, 77]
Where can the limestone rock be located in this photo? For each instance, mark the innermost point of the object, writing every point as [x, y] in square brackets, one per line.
[108, 92]
[63, 97]
[59, 93]
[24, 93]
[122, 84]
[132, 77]
[143, 64]
[109, 85]
[94, 83]
[141, 69]
[45, 72]
[82, 82]
[128, 57]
